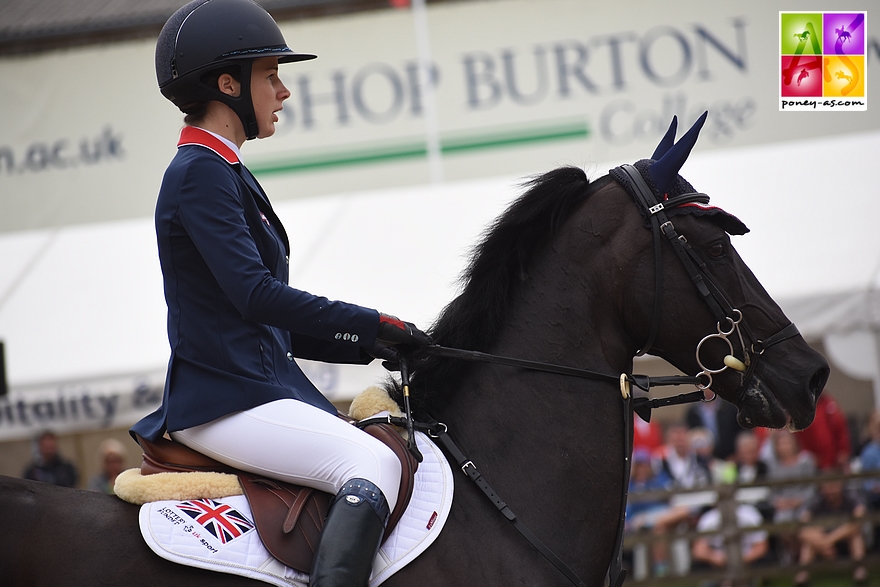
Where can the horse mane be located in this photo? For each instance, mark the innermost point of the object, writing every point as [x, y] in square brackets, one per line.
[497, 264]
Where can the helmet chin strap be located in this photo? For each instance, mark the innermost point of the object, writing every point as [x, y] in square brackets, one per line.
[243, 104]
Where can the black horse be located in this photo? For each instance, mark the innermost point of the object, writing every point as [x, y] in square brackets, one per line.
[566, 276]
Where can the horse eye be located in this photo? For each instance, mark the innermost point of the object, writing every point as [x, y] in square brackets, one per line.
[715, 251]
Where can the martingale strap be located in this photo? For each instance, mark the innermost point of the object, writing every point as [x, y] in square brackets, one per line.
[437, 431]
[469, 469]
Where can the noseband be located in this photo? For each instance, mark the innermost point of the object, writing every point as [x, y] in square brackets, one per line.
[729, 319]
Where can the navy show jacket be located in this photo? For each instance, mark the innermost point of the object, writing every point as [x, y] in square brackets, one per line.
[234, 324]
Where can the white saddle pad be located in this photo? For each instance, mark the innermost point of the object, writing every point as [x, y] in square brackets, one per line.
[219, 534]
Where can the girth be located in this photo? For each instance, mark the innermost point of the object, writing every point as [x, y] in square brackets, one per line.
[288, 517]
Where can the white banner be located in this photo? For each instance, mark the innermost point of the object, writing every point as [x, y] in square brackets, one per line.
[113, 402]
[65, 408]
[521, 86]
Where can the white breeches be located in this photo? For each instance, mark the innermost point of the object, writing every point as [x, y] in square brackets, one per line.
[294, 441]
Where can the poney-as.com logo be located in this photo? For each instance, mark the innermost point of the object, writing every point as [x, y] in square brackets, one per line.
[822, 61]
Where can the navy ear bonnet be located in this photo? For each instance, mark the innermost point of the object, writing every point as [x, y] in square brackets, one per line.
[661, 174]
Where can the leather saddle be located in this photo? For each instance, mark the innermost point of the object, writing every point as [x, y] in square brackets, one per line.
[288, 517]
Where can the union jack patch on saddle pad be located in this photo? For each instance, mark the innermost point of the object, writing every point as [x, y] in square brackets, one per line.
[221, 520]
[190, 532]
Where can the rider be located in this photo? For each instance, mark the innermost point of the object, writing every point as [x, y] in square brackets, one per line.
[233, 390]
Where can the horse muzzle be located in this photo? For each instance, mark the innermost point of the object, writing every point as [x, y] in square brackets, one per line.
[779, 393]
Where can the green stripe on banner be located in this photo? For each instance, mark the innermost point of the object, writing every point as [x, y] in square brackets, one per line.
[413, 149]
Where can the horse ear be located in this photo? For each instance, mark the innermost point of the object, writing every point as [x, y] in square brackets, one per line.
[667, 141]
[664, 171]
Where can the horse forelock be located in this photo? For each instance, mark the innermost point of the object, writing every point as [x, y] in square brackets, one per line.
[497, 264]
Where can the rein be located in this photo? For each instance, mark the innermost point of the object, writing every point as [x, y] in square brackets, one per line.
[641, 381]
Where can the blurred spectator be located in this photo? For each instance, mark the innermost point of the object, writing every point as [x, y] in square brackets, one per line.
[681, 462]
[870, 460]
[112, 464]
[703, 444]
[643, 515]
[710, 549]
[49, 466]
[647, 435]
[827, 438]
[751, 469]
[720, 419]
[789, 462]
[687, 471]
[824, 531]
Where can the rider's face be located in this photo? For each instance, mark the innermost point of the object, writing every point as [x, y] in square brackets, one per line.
[267, 92]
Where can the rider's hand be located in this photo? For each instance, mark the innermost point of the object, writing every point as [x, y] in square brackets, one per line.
[395, 332]
[384, 352]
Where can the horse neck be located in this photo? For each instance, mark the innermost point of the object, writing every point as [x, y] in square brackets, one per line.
[543, 441]
[561, 313]
[565, 310]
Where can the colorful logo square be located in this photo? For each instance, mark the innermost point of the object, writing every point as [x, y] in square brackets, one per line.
[844, 76]
[822, 61]
[800, 33]
[801, 75]
[843, 33]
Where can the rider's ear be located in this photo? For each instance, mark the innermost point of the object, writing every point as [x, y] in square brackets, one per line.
[228, 85]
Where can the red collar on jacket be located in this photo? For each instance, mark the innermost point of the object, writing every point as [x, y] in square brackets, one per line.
[190, 135]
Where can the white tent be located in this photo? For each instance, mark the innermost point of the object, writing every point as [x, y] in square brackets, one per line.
[82, 312]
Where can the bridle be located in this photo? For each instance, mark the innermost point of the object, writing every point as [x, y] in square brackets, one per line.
[729, 319]
[730, 322]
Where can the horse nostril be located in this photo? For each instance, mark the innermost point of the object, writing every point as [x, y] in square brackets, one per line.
[817, 381]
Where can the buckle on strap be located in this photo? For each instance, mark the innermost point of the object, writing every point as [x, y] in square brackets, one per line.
[789, 331]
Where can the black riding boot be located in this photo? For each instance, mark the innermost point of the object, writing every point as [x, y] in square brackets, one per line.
[351, 536]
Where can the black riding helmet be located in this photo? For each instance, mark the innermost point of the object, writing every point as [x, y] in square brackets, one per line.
[206, 35]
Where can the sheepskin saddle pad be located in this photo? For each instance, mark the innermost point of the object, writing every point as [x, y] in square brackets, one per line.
[204, 517]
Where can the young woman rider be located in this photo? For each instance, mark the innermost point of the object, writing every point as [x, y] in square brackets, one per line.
[233, 390]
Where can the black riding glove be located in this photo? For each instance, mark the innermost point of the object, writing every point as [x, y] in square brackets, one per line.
[380, 350]
[397, 333]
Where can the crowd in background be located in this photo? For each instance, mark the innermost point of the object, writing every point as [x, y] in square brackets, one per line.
[50, 466]
[709, 448]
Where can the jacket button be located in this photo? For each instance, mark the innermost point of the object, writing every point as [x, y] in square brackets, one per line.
[289, 356]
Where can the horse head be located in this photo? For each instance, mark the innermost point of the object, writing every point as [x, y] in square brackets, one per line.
[714, 317]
